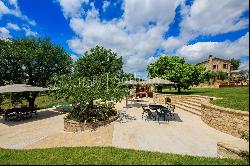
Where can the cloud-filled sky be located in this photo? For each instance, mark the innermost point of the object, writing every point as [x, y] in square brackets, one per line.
[138, 30]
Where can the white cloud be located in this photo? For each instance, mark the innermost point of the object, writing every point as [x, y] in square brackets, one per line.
[206, 17]
[74, 57]
[72, 8]
[29, 32]
[105, 5]
[136, 46]
[14, 9]
[3, 9]
[210, 17]
[4, 33]
[13, 2]
[13, 26]
[226, 50]
[138, 33]
[244, 65]
[139, 13]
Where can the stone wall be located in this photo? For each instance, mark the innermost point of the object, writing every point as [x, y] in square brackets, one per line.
[219, 64]
[227, 120]
[233, 149]
[73, 126]
[160, 98]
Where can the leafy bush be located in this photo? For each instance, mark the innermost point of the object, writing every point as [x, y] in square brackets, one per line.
[221, 75]
[99, 112]
[245, 136]
[64, 108]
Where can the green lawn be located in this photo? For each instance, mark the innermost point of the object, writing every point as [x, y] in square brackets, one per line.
[42, 101]
[45, 101]
[105, 155]
[236, 98]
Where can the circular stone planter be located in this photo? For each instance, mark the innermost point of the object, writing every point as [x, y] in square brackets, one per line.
[74, 126]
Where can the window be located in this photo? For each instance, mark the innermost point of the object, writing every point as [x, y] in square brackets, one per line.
[214, 66]
[225, 66]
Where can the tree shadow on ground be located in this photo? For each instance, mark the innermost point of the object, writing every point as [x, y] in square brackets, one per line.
[41, 115]
[135, 103]
[124, 117]
[175, 118]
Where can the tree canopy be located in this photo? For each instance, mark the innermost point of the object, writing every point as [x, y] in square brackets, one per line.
[235, 63]
[33, 61]
[98, 61]
[177, 70]
[98, 76]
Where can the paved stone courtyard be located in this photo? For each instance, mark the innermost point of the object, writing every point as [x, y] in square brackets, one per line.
[186, 134]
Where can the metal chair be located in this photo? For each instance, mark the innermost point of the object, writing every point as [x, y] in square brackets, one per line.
[10, 115]
[148, 112]
[172, 107]
[164, 112]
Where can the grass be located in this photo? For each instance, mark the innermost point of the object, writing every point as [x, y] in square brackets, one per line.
[46, 101]
[235, 98]
[106, 155]
[42, 101]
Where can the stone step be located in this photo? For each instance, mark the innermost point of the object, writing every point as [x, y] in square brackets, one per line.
[195, 112]
[196, 108]
[194, 103]
[193, 100]
[201, 97]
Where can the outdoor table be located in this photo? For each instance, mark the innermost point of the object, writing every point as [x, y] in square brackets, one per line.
[17, 114]
[156, 107]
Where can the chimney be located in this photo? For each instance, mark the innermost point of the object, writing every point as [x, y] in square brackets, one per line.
[210, 57]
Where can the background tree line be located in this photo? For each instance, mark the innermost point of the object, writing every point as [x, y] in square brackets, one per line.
[32, 61]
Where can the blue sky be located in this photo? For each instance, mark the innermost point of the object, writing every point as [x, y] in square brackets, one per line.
[138, 30]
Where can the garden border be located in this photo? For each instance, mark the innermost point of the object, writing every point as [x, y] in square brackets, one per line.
[227, 120]
[74, 126]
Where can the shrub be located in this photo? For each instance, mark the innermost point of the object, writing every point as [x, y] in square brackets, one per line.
[221, 75]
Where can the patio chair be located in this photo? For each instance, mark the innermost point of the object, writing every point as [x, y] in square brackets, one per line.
[10, 115]
[164, 112]
[2, 112]
[33, 111]
[171, 109]
[148, 112]
[23, 112]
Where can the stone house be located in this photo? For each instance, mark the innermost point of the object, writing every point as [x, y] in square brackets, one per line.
[217, 64]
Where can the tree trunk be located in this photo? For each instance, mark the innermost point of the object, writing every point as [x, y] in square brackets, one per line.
[32, 103]
[90, 107]
[179, 89]
[32, 99]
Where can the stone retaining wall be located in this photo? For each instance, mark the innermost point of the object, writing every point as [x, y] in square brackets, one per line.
[160, 98]
[227, 120]
[233, 149]
[73, 126]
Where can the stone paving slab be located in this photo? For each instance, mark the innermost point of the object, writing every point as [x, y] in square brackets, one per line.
[187, 134]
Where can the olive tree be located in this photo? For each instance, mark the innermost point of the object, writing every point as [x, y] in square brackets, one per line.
[177, 70]
[83, 91]
[98, 61]
[98, 76]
